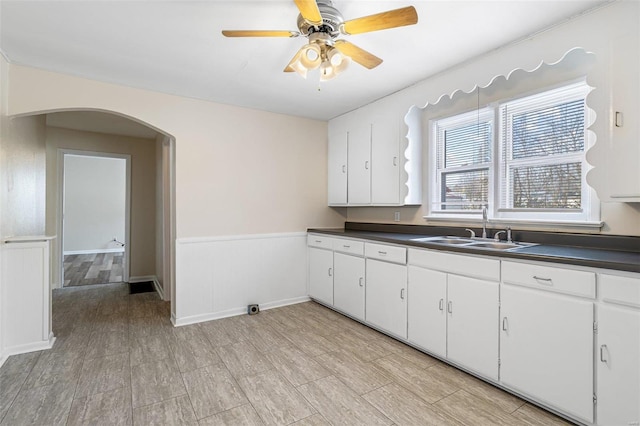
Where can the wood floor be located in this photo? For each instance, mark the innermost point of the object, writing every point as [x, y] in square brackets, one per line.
[89, 269]
[118, 360]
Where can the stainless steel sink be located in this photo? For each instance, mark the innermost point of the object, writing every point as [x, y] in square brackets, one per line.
[496, 245]
[444, 240]
[479, 243]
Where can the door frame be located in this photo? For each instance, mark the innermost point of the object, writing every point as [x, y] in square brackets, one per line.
[62, 152]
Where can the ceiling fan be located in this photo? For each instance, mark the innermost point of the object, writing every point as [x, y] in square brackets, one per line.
[322, 24]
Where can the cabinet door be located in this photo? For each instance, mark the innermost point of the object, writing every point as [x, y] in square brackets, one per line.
[385, 162]
[349, 284]
[618, 361]
[546, 348]
[337, 169]
[359, 164]
[472, 324]
[386, 299]
[624, 160]
[426, 313]
[321, 275]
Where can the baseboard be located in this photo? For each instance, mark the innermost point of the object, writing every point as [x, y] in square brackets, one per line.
[29, 347]
[96, 251]
[153, 279]
[194, 319]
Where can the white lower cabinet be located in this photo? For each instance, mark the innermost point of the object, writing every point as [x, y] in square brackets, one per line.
[618, 365]
[349, 284]
[472, 315]
[321, 275]
[386, 298]
[427, 316]
[546, 348]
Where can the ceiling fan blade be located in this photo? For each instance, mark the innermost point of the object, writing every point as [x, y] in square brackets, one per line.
[309, 11]
[382, 21]
[359, 55]
[252, 33]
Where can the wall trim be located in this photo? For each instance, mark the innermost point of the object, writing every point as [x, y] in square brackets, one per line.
[94, 251]
[152, 278]
[192, 240]
[30, 347]
[178, 322]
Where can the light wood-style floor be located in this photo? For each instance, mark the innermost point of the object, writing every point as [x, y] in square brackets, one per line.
[118, 360]
[89, 269]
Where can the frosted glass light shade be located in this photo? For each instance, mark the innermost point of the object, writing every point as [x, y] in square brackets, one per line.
[310, 56]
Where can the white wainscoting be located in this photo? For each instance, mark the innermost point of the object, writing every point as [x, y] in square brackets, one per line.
[218, 277]
[25, 296]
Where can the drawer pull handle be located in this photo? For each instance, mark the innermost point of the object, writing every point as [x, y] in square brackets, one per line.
[450, 307]
[360, 282]
[402, 293]
[505, 324]
[345, 246]
[441, 305]
[330, 272]
[382, 253]
[547, 281]
[318, 241]
[602, 349]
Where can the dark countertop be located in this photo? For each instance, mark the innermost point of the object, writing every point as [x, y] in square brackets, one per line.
[609, 252]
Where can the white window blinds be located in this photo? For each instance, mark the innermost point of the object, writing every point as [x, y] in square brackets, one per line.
[542, 144]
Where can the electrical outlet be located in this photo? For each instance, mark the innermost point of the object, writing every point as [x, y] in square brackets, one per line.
[396, 216]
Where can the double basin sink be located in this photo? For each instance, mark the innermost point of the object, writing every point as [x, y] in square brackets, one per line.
[480, 243]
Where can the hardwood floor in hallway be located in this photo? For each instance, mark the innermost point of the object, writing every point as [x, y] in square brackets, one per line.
[88, 269]
[118, 360]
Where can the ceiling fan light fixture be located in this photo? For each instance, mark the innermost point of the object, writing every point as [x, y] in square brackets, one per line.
[327, 72]
[339, 61]
[310, 56]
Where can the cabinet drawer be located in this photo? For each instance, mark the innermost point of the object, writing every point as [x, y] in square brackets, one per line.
[569, 281]
[470, 266]
[622, 290]
[316, 240]
[349, 246]
[384, 252]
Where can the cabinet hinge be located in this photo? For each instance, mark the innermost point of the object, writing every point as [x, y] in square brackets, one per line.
[595, 326]
[499, 362]
[595, 399]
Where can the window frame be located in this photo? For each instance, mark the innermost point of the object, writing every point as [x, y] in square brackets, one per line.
[587, 215]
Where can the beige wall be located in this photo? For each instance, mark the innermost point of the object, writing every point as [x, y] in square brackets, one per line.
[237, 171]
[143, 190]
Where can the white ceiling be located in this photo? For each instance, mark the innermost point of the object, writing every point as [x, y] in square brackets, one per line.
[176, 47]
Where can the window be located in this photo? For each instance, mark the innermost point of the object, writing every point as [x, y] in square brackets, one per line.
[529, 166]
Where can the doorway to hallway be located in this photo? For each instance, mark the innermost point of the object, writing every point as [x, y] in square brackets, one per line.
[95, 218]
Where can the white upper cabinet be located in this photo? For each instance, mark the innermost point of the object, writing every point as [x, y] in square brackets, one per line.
[378, 171]
[385, 162]
[624, 161]
[337, 168]
[359, 163]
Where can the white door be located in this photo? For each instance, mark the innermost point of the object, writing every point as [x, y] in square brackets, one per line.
[349, 284]
[386, 296]
[337, 171]
[321, 275]
[385, 162]
[426, 309]
[618, 361]
[472, 324]
[546, 348]
[359, 164]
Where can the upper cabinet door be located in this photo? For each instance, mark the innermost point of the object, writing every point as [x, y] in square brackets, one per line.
[359, 164]
[337, 192]
[385, 160]
[624, 159]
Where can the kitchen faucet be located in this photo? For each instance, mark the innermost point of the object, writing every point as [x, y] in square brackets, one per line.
[484, 221]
